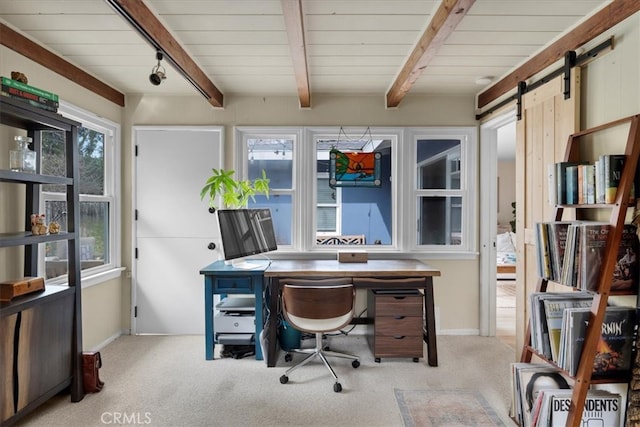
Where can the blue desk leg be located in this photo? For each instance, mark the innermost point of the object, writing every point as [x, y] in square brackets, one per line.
[259, 315]
[208, 317]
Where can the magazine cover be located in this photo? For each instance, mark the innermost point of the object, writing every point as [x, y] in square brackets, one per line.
[601, 409]
[615, 349]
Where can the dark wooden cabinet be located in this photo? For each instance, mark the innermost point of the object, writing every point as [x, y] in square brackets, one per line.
[397, 325]
[41, 333]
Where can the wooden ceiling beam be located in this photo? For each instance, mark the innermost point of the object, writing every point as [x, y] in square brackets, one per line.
[293, 19]
[442, 24]
[33, 51]
[601, 21]
[151, 29]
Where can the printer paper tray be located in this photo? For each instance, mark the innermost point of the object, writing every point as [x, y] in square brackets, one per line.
[235, 339]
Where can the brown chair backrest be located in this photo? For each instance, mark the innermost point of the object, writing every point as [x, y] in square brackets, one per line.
[318, 298]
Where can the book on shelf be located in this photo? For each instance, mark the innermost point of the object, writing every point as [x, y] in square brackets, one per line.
[571, 180]
[561, 181]
[613, 164]
[17, 93]
[543, 254]
[557, 232]
[6, 81]
[29, 101]
[554, 306]
[545, 324]
[528, 379]
[593, 243]
[615, 351]
[602, 408]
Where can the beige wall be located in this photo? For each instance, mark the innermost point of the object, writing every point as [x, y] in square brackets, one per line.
[506, 190]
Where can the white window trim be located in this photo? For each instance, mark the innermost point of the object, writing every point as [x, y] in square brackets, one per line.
[468, 152]
[113, 269]
[244, 133]
[337, 205]
[404, 161]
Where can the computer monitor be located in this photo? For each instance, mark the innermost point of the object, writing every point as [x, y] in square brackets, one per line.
[246, 232]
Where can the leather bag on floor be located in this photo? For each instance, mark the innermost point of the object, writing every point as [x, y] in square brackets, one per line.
[91, 364]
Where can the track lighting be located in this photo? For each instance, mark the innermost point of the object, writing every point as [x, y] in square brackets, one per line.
[157, 73]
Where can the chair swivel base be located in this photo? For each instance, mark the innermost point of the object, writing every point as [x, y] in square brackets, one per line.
[318, 351]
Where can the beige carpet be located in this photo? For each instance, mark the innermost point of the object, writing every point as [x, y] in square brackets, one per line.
[165, 381]
[440, 408]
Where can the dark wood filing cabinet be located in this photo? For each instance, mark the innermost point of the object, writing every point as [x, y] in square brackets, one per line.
[397, 325]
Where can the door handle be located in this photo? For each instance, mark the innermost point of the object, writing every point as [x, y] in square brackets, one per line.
[211, 246]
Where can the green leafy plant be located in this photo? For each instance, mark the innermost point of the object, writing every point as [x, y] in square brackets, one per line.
[234, 194]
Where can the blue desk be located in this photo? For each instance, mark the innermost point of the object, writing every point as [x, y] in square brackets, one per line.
[223, 279]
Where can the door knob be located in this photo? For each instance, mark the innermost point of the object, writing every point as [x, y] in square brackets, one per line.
[211, 246]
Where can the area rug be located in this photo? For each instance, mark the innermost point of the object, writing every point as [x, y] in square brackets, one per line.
[440, 408]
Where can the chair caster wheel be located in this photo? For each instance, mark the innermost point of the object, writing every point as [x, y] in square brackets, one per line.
[337, 387]
[284, 379]
[377, 360]
[416, 359]
[355, 363]
[288, 357]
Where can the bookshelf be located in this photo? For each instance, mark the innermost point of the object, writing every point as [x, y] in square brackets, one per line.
[41, 331]
[617, 216]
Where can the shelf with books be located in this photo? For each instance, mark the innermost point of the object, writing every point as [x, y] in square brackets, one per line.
[596, 276]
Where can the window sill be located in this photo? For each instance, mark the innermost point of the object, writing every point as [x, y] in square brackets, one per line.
[101, 277]
[91, 279]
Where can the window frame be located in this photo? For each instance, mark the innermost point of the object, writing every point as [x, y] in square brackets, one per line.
[404, 164]
[111, 130]
[468, 172]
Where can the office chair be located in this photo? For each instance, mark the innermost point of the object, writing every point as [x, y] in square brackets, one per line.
[318, 306]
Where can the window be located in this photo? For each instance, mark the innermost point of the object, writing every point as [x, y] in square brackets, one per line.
[272, 151]
[98, 176]
[421, 200]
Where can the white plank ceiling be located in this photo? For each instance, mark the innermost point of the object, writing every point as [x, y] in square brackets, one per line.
[353, 46]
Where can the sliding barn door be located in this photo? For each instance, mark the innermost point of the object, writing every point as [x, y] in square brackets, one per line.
[541, 139]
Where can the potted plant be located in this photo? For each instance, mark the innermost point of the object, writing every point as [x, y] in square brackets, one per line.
[234, 193]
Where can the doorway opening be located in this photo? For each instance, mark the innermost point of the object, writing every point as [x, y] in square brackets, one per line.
[497, 236]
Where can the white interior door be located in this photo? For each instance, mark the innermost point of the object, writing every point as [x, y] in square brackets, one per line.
[173, 228]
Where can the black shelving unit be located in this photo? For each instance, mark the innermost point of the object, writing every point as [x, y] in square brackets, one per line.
[42, 332]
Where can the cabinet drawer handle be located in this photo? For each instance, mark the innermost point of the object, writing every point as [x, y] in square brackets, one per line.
[399, 337]
[399, 297]
[399, 317]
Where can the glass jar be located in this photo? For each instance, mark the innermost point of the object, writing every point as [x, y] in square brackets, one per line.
[21, 158]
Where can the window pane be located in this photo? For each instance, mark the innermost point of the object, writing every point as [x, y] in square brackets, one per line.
[281, 213]
[326, 219]
[53, 159]
[438, 164]
[94, 237]
[326, 194]
[440, 221]
[90, 160]
[275, 157]
[364, 210]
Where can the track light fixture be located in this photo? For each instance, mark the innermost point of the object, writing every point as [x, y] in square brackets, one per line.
[158, 73]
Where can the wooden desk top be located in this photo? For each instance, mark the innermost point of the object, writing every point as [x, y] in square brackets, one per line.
[375, 268]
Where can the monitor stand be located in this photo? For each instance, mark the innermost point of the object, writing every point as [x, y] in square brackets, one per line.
[243, 264]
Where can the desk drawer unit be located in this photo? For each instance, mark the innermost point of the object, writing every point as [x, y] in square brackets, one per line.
[397, 324]
[232, 285]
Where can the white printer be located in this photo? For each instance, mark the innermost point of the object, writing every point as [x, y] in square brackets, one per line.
[235, 323]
